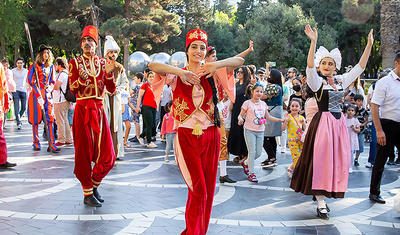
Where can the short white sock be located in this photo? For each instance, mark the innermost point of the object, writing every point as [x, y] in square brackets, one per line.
[321, 202]
[222, 168]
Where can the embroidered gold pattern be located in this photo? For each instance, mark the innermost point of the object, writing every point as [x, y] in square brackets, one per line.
[179, 109]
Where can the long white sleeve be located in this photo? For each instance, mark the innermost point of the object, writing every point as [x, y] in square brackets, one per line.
[314, 81]
[347, 78]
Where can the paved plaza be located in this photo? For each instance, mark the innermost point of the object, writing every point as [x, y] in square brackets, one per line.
[144, 195]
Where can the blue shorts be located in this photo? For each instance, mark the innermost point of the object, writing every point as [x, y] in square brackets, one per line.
[70, 116]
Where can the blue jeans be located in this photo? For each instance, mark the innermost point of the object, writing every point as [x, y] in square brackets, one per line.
[254, 142]
[372, 145]
[360, 142]
[19, 96]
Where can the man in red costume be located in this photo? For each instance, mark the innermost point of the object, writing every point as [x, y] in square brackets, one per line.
[89, 76]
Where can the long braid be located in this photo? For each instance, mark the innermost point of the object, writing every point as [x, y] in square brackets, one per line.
[217, 121]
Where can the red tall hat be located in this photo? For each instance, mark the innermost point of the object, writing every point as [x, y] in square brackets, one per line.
[194, 35]
[92, 32]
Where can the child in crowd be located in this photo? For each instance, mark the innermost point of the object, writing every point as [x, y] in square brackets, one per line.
[353, 126]
[254, 114]
[135, 116]
[295, 124]
[126, 118]
[167, 130]
[362, 116]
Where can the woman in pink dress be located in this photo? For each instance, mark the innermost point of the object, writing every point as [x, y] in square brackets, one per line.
[323, 167]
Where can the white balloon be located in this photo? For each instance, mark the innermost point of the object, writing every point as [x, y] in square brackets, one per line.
[178, 59]
[138, 62]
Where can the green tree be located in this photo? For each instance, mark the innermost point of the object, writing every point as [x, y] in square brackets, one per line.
[278, 34]
[11, 26]
[145, 22]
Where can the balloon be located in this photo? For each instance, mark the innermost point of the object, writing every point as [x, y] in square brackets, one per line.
[161, 58]
[178, 59]
[138, 62]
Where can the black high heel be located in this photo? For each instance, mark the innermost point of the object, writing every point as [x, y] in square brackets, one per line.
[327, 207]
[322, 215]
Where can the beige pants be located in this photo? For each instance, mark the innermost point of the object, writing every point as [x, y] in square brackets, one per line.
[63, 129]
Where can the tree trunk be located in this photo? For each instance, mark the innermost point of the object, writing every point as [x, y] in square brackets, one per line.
[390, 31]
[16, 50]
[2, 48]
[126, 55]
[94, 16]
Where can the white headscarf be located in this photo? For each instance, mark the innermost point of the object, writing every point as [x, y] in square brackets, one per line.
[110, 45]
[322, 52]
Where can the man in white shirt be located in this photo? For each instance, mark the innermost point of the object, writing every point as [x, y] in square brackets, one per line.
[19, 96]
[385, 109]
[165, 98]
[61, 105]
[291, 73]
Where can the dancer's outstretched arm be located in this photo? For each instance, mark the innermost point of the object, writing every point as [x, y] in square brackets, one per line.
[367, 50]
[313, 35]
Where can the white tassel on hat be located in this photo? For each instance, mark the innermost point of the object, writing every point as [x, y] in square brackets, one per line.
[110, 45]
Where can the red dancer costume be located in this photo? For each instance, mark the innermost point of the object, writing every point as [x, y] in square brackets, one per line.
[4, 106]
[92, 138]
[197, 141]
[46, 73]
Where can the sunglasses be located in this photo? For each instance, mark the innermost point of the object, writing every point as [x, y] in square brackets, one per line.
[239, 72]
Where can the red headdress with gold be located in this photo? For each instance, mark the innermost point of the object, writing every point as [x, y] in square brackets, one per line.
[194, 35]
[92, 32]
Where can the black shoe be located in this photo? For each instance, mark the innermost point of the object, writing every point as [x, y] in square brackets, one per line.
[390, 162]
[397, 162]
[19, 126]
[133, 139]
[322, 215]
[264, 163]
[97, 195]
[36, 149]
[91, 201]
[53, 150]
[356, 163]
[119, 159]
[7, 165]
[376, 198]
[153, 139]
[226, 179]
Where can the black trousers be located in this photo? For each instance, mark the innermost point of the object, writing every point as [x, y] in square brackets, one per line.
[392, 133]
[149, 117]
[270, 146]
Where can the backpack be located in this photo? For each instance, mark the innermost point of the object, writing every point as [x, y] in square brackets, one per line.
[68, 94]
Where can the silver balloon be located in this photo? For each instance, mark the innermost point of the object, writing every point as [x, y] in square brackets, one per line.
[161, 58]
[178, 59]
[152, 57]
[138, 62]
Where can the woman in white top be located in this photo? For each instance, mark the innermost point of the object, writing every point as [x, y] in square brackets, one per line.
[323, 167]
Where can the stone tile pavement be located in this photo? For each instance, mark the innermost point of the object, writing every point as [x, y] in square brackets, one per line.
[145, 195]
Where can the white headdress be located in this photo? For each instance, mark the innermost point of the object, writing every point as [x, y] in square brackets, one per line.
[322, 52]
[110, 45]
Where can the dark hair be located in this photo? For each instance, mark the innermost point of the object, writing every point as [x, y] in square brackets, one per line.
[252, 87]
[246, 75]
[350, 106]
[252, 68]
[275, 77]
[167, 107]
[147, 70]
[62, 61]
[294, 100]
[358, 97]
[303, 72]
[5, 60]
[296, 78]
[140, 76]
[19, 58]
[210, 52]
[397, 56]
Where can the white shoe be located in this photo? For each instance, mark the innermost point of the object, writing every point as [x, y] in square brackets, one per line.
[351, 170]
[141, 141]
[166, 159]
[368, 165]
[151, 145]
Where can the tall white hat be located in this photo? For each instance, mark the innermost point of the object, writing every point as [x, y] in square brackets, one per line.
[110, 45]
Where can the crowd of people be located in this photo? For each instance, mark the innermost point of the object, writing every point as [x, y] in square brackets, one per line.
[209, 111]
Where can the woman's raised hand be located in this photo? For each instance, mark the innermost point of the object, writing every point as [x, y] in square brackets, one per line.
[251, 45]
[311, 33]
[189, 78]
[371, 37]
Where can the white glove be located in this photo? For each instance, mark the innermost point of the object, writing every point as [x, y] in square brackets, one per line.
[40, 101]
[50, 88]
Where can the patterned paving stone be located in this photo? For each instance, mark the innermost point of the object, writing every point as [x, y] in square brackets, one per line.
[144, 195]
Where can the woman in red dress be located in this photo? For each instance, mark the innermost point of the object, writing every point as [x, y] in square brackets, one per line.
[197, 141]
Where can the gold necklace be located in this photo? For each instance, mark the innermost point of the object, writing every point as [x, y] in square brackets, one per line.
[320, 96]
